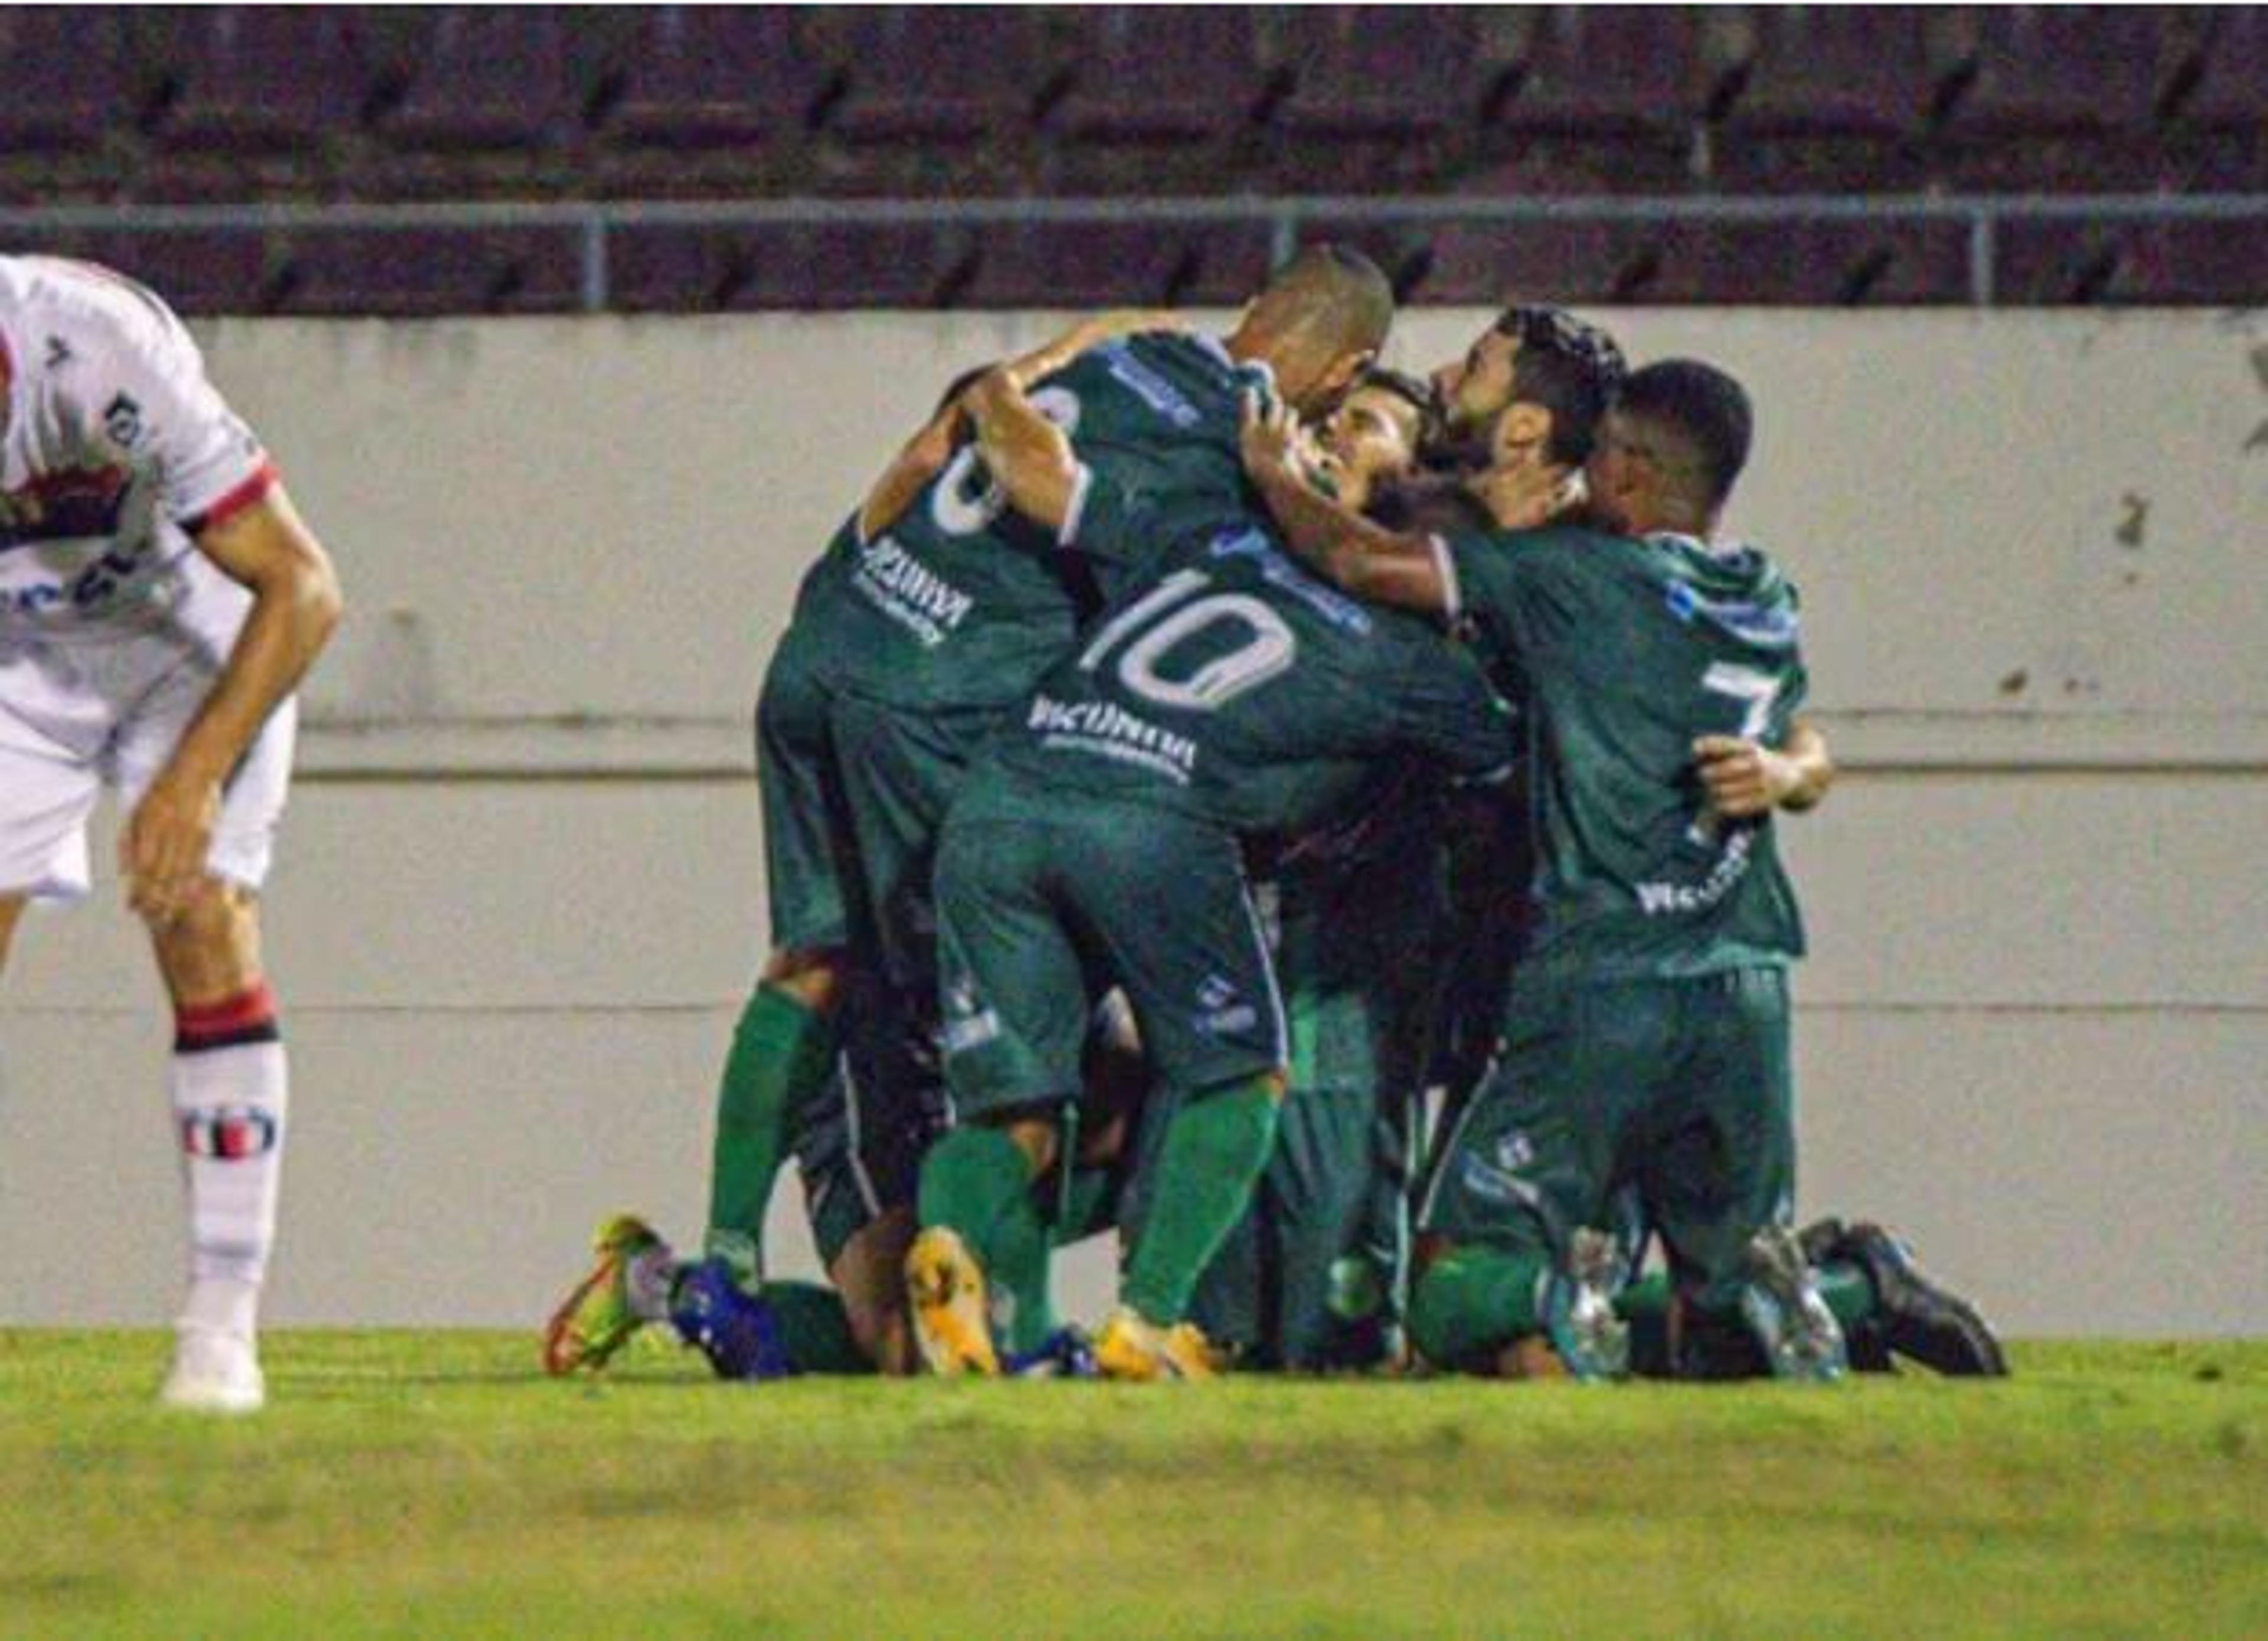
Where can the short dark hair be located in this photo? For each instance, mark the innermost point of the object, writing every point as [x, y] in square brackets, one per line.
[1570, 367]
[1330, 294]
[1705, 404]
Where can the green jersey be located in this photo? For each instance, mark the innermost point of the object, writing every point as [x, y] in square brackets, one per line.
[962, 603]
[1622, 652]
[1232, 686]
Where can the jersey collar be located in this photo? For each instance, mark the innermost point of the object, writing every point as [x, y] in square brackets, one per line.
[1260, 368]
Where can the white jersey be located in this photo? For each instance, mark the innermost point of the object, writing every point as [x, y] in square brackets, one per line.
[116, 451]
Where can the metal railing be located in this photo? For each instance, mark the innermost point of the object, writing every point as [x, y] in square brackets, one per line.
[1284, 216]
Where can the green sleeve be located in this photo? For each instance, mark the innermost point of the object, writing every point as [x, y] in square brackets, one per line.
[1510, 588]
[1125, 508]
[1448, 711]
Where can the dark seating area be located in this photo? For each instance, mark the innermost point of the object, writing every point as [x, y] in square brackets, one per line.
[320, 106]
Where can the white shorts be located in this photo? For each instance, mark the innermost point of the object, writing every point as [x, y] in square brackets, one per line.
[80, 715]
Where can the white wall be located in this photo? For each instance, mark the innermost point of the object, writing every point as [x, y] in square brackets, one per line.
[521, 892]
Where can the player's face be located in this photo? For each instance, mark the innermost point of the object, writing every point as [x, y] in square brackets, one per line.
[1632, 462]
[1371, 437]
[1474, 388]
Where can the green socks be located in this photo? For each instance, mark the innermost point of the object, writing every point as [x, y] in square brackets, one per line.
[782, 1051]
[1473, 1301]
[1215, 1148]
[977, 1182]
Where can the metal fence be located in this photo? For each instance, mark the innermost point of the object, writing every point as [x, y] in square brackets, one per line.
[1284, 218]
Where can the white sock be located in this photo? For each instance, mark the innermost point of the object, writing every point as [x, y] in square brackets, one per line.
[229, 1087]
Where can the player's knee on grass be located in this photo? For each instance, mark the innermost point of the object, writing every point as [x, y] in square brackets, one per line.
[210, 949]
[869, 1274]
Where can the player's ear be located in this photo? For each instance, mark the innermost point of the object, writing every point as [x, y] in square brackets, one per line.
[1340, 376]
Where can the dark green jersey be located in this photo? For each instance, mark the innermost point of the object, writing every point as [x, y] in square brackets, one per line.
[961, 603]
[1233, 685]
[1623, 651]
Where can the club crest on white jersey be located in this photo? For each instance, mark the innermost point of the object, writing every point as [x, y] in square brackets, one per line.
[114, 449]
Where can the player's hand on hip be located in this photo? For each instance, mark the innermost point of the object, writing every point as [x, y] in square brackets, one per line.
[1743, 778]
[162, 851]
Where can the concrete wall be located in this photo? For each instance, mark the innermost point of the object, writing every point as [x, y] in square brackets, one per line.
[521, 892]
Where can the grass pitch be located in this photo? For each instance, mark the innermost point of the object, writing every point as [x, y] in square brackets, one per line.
[433, 1483]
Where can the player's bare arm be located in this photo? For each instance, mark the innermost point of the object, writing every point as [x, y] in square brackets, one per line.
[921, 459]
[1029, 455]
[296, 604]
[1745, 778]
[1092, 331]
[925, 455]
[1366, 558]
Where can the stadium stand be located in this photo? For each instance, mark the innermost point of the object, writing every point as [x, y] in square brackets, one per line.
[247, 79]
[1825, 98]
[1930, 110]
[2053, 95]
[2167, 263]
[1378, 72]
[819, 266]
[1162, 76]
[406, 272]
[700, 76]
[473, 80]
[203, 271]
[1605, 98]
[935, 75]
[68, 85]
[1145, 263]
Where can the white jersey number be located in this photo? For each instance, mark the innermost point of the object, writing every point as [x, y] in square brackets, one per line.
[1177, 608]
[968, 498]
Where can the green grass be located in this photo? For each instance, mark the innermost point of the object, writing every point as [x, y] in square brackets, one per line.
[432, 1484]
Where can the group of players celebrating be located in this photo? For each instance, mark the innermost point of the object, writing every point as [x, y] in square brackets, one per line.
[1189, 753]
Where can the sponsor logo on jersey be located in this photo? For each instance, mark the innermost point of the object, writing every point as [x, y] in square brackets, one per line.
[121, 419]
[1150, 388]
[1107, 729]
[1659, 900]
[908, 592]
[68, 505]
[1332, 605]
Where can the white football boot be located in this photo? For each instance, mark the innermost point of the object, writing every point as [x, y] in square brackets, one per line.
[215, 1373]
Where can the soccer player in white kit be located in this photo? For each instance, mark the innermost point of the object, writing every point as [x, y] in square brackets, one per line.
[160, 601]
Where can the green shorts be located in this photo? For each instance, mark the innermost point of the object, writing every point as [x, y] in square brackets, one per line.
[1315, 1274]
[1680, 1090]
[1046, 897]
[807, 819]
[900, 772]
